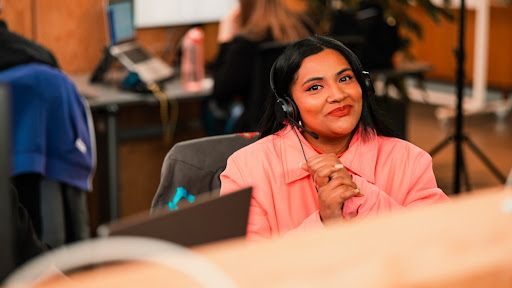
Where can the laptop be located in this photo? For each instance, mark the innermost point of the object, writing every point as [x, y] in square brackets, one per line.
[121, 31]
[208, 219]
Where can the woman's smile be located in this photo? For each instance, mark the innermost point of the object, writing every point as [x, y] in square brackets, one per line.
[340, 111]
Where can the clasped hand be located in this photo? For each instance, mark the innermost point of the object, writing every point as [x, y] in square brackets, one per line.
[334, 183]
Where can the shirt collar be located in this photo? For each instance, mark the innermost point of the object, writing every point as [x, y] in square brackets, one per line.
[360, 157]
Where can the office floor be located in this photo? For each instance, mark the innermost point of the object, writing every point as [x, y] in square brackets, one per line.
[491, 135]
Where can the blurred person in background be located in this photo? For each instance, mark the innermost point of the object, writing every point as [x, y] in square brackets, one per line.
[240, 33]
[382, 44]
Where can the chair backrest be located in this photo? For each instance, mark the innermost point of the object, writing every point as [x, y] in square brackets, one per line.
[268, 52]
[197, 164]
[52, 129]
[355, 43]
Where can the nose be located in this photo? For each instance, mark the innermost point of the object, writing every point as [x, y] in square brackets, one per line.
[337, 94]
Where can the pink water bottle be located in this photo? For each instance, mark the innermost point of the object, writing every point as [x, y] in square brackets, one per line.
[192, 60]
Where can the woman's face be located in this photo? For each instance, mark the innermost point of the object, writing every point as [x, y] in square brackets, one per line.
[328, 95]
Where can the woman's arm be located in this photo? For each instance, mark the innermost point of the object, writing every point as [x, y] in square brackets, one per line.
[232, 180]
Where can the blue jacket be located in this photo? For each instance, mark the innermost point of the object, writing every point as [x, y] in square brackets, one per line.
[51, 126]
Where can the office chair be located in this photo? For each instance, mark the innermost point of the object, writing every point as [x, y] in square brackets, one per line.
[53, 150]
[254, 106]
[196, 165]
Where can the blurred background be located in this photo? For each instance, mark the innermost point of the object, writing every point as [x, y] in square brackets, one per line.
[75, 32]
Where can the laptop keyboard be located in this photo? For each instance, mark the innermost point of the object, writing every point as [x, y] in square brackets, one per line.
[137, 55]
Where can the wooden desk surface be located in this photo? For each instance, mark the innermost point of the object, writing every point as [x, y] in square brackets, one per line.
[467, 243]
[407, 68]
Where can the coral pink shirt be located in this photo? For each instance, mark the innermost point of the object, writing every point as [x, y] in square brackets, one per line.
[392, 174]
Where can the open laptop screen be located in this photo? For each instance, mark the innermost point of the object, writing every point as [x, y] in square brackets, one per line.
[120, 21]
[210, 218]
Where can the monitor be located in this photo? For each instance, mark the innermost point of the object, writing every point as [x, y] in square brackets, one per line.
[163, 13]
[7, 236]
[120, 20]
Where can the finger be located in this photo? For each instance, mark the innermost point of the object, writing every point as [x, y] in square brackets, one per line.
[346, 192]
[323, 175]
[312, 168]
[318, 161]
[332, 198]
[320, 179]
[304, 166]
[340, 172]
[327, 170]
[358, 192]
[340, 181]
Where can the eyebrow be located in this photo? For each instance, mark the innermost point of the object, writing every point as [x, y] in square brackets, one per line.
[321, 78]
[343, 71]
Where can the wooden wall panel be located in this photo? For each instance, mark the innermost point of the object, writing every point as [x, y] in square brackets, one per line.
[296, 5]
[18, 15]
[73, 30]
[439, 42]
[500, 47]
[436, 46]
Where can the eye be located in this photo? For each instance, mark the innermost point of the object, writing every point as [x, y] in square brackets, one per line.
[346, 78]
[314, 88]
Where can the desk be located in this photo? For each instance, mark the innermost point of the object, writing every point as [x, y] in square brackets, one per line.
[467, 243]
[406, 68]
[108, 98]
[416, 69]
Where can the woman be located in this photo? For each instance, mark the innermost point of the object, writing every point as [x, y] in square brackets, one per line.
[343, 163]
[240, 33]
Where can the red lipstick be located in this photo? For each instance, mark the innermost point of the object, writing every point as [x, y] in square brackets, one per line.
[340, 111]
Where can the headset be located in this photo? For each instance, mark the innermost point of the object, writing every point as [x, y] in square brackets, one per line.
[286, 109]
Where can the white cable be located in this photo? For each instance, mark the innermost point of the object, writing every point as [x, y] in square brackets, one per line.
[118, 248]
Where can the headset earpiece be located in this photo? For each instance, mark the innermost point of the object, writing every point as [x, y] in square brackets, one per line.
[284, 108]
[368, 83]
[280, 110]
[291, 109]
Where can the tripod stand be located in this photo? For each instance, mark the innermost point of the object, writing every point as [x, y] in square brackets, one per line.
[459, 137]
